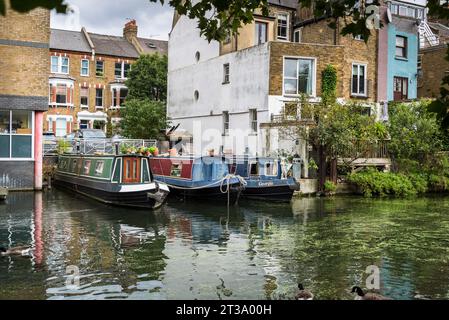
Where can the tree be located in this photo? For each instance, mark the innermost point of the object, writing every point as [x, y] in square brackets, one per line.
[143, 119]
[28, 5]
[414, 131]
[148, 78]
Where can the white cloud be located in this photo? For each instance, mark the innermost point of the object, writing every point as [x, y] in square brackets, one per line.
[109, 17]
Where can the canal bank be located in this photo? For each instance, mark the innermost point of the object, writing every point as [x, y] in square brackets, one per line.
[202, 251]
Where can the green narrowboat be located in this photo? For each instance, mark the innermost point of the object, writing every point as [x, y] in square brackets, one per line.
[123, 180]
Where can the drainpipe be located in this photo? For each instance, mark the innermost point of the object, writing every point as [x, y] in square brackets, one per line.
[38, 154]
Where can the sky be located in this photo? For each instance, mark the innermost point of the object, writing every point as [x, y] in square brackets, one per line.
[109, 17]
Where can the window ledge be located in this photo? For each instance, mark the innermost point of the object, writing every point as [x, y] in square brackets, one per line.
[228, 82]
[359, 96]
[401, 58]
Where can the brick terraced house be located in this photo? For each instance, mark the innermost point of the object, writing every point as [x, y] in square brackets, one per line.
[24, 47]
[87, 76]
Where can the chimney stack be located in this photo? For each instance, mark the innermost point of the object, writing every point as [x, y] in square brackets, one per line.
[130, 30]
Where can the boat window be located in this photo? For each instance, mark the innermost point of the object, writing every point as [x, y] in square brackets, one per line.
[254, 169]
[74, 163]
[146, 172]
[99, 167]
[63, 164]
[118, 169]
[176, 170]
[135, 169]
[86, 168]
[271, 169]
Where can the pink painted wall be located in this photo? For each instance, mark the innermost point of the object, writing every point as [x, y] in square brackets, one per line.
[38, 152]
[382, 56]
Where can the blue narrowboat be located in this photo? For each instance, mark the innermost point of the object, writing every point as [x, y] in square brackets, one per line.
[123, 180]
[205, 178]
[264, 178]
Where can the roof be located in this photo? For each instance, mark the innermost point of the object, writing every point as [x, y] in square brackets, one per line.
[442, 31]
[153, 46]
[292, 4]
[113, 46]
[103, 44]
[69, 40]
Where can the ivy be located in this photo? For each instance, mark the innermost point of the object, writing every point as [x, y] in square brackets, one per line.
[329, 85]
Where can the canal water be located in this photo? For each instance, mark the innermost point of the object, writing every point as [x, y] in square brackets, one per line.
[202, 251]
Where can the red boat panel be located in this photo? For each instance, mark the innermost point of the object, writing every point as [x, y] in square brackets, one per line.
[164, 167]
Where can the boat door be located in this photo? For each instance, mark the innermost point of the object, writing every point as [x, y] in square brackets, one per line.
[131, 170]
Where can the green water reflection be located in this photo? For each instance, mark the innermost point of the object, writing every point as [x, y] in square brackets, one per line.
[201, 251]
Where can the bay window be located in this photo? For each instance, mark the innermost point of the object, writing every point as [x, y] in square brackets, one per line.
[16, 134]
[84, 97]
[358, 83]
[61, 94]
[119, 95]
[299, 76]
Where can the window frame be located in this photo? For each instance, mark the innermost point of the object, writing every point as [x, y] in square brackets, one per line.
[226, 122]
[226, 73]
[365, 82]
[257, 37]
[299, 33]
[253, 121]
[59, 64]
[313, 75]
[82, 68]
[10, 134]
[404, 48]
[102, 98]
[97, 74]
[84, 106]
[287, 30]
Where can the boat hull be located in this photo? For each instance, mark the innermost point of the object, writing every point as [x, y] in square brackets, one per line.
[144, 198]
[276, 190]
[205, 191]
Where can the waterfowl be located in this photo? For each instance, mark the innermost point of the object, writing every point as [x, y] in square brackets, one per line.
[17, 251]
[367, 296]
[303, 294]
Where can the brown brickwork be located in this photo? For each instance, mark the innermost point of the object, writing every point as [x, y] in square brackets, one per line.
[434, 68]
[24, 53]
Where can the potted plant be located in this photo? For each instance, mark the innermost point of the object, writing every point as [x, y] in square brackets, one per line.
[154, 151]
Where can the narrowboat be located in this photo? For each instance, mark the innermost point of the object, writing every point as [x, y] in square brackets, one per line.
[265, 179]
[204, 178]
[122, 180]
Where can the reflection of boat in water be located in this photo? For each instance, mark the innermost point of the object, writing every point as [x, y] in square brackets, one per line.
[118, 180]
[205, 178]
[3, 193]
[264, 179]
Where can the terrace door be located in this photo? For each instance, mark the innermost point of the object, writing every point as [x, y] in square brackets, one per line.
[400, 89]
[131, 170]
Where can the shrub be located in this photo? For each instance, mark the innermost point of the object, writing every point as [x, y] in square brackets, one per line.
[329, 186]
[374, 183]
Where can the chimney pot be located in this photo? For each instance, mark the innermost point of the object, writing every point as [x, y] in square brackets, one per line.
[130, 30]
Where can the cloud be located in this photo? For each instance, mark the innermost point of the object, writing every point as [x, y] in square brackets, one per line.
[109, 17]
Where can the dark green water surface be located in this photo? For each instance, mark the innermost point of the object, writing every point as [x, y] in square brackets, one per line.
[258, 250]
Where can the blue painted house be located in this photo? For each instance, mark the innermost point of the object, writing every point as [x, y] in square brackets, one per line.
[398, 49]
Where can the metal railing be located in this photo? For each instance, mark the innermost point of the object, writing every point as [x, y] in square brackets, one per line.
[364, 149]
[93, 146]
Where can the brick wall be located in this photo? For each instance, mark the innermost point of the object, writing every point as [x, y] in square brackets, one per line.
[434, 69]
[354, 51]
[24, 53]
[325, 54]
